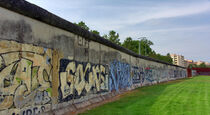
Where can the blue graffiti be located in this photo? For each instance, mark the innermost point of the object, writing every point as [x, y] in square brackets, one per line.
[154, 74]
[122, 75]
[149, 75]
[136, 75]
[119, 76]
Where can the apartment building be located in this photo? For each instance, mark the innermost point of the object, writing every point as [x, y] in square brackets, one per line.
[200, 62]
[207, 63]
[178, 60]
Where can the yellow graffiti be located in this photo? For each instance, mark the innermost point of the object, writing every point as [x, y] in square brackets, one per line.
[24, 71]
[74, 78]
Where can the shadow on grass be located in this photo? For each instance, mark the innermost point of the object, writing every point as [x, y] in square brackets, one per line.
[139, 102]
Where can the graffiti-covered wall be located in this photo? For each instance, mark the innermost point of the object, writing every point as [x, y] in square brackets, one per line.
[49, 64]
[79, 79]
[25, 77]
[151, 75]
[120, 77]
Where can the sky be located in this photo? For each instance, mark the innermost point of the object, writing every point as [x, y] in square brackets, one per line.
[174, 26]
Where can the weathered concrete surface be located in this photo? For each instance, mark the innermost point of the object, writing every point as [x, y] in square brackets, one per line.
[37, 13]
[54, 66]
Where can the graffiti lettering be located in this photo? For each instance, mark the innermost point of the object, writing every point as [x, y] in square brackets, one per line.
[119, 76]
[150, 75]
[24, 76]
[77, 79]
[31, 111]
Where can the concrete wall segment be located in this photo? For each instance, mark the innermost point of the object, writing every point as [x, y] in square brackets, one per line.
[52, 60]
[35, 12]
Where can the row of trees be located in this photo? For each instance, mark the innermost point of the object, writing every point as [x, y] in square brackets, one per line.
[131, 44]
[202, 65]
[146, 49]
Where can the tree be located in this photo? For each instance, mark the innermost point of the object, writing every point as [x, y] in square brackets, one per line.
[164, 58]
[169, 59]
[192, 66]
[83, 25]
[146, 49]
[113, 37]
[131, 44]
[95, 32]
[202, 65]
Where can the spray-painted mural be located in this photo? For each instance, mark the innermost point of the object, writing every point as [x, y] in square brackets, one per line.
[25, 77]
[152, 74]
[28, 74]
[120, 77]
[136, 74]
[80, 79]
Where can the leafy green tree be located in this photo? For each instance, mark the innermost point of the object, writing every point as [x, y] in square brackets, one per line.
[202, 65]
[192, 66]
[82, 25]
[166, 58]
[146, 49]
[131, 44]
[113, 37]
[95, 32]
[169, 59]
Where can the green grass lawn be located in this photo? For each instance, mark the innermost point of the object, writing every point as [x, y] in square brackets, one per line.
[182, 97]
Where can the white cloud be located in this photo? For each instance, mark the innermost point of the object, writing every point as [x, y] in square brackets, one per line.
[159, 12]
[105, 16]
[151, 32]
[116, 17]
[184, 10]
[198, 28]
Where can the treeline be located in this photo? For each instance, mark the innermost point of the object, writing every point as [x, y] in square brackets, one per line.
[202, 65]
[133, 45]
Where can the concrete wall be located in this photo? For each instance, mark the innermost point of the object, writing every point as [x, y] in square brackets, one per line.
[48, 68]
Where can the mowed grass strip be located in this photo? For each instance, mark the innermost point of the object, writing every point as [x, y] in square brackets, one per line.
[180, 97]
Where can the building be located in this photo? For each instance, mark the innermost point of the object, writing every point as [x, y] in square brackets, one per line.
[178, 60]
[202, 62]
[188, 62]
[199, 62]
[207, 63]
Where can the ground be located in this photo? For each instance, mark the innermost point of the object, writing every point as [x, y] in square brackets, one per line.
[189, 96]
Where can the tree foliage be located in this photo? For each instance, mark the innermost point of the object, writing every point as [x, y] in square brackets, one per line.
[84, 26]
[192, 66]
[146, 49]
[164, 58]
[113, 37]
[131, 44]
[95, 32]
[202, 65]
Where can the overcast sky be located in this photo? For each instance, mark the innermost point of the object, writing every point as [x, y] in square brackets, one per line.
[174, 26]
